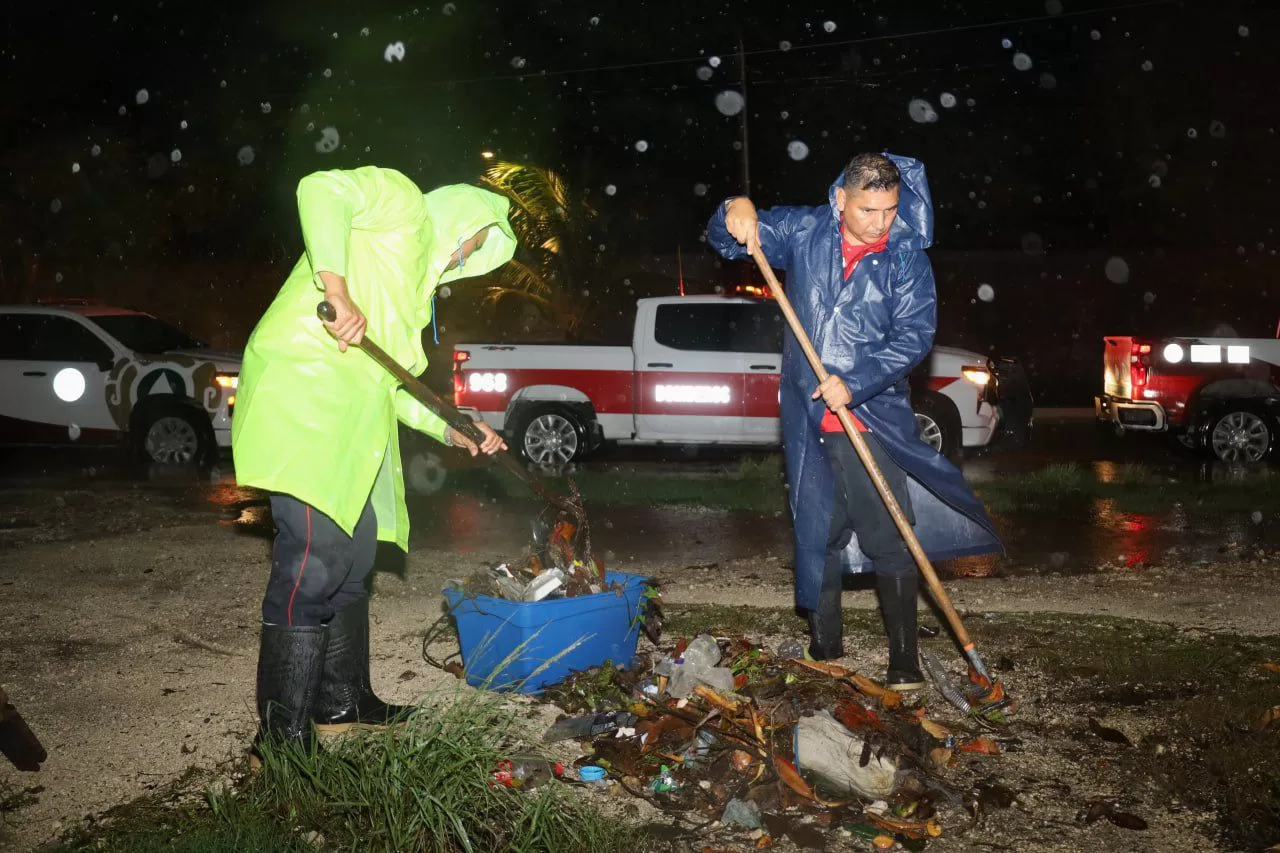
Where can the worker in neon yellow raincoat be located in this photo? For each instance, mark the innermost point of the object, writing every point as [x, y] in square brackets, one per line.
[315, 423]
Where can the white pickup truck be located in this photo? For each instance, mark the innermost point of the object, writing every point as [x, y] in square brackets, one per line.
[700, 370]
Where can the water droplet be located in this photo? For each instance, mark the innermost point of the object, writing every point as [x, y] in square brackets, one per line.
[829, 26]
[921, 111]
[1006, 44]
[445, 292]
[610, 190]
[704, 73]
[75, 168]
[1116, 270]
[394, 52]
[1048, 81]
[1154, 181]
[449, 8]
[265, 106]
[55, 205]
[1032, 243]
[58, 278]
[1148, 297]
[364, 31]
[1146, 65]
[784, 115]
[1022, 62]
[1256, 516]
[517, 62]
[1191, 133]
[970, 102]
[699, 189]
[328, 72]
[797, 150]
[142, 97]
[122, 110]
[714, 62]
[1243, 31]
[642, 145]
[595, 20]
[175, 155]
[1217, 129]
[730, 102]
[947, 100]
[986, 292]
[95, 150]
[73, 432]
[784, 46]
[328, 141]
[1095, 35]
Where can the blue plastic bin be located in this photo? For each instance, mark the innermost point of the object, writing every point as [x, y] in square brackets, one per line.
[490, 630]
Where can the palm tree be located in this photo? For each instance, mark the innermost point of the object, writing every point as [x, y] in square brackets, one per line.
[551, 265]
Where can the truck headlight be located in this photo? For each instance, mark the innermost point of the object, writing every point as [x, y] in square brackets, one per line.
[979, 376]
[230, 381]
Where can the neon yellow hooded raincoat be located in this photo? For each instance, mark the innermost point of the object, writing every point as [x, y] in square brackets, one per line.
[320, 424]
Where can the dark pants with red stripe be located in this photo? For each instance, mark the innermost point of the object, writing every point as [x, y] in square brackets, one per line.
[316, 568]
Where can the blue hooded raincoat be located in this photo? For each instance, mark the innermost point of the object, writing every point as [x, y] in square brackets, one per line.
[871, 332]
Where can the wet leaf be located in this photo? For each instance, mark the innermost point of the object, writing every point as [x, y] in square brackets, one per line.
[980, 745]
[407, 675]
[1108, 734]
[935, 730]
[1270, 667]
[454, 668]
[1125, 820]
[940, 757]
[792, 779]
[1269, 718]
[853, 716]
[1094, 810]
[906, 828]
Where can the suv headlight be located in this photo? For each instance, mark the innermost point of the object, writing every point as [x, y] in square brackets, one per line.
[979, 376]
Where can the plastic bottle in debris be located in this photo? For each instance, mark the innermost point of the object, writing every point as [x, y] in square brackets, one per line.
[526, 772]
[702, 653]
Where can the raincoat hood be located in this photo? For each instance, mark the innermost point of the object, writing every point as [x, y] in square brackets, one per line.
[459, 212]
[913, 228]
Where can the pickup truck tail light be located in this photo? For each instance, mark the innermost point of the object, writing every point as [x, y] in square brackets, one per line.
[460, 356]
[1139, 360]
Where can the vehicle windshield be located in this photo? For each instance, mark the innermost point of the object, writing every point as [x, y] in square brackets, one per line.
[142, 333]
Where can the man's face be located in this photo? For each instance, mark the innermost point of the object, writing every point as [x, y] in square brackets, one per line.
[866, 215]
[470, 245]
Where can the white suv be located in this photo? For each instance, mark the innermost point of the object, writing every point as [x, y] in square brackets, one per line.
[75, 372]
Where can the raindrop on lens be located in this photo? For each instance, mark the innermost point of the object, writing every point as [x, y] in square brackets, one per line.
[517, 62]
[1095, 35]
[175, 155]
[1006, 44]
[829, 26]
[1191, 133]
[714, 62]
[947, 100]
[95, 150]
[1217, 129]
[1116, 270]
[610, 190]
[55, 205]
[729, 102]
[245, 155]
[1146, 65]
[642, 146]
[704, 73]
[699, 189]
[1154, 181]
[1048, 81]
[1243, 31]
[797, 150]
[986, 292]
[142, 96]
[1022, 62]
[75, 167]
[921, 111]
[784, 46]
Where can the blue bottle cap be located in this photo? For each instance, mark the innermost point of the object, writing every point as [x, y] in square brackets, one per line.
[591, 773]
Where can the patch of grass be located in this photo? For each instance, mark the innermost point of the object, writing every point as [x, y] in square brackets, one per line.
[691, 620]
[424, 787]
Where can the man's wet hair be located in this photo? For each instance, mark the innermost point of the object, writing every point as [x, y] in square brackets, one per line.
[871, 172]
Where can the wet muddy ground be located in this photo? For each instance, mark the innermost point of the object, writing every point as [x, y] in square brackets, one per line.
[128, 625]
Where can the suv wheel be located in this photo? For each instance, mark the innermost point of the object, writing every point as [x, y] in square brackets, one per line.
[938, 423]
[550, 437]
[173, 435]
[1241, 435]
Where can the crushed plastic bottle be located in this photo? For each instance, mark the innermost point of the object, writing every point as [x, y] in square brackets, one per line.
[702, 653]
[526, 772]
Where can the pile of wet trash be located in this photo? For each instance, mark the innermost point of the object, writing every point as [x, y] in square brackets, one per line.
[558, 565]
[747, 745]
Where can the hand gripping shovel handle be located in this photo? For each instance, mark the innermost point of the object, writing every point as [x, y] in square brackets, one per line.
[448, 413]
[877, 477]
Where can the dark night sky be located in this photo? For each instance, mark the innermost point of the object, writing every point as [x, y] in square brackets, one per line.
[1141, 131]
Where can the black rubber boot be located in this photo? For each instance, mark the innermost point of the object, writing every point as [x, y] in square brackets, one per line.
[826, 627]
[898, 603]
[346, 694]
[290, 663]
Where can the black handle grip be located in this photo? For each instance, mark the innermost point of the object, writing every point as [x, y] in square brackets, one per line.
[326, 312]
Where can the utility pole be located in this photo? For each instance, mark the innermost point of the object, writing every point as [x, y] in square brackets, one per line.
[746, 156]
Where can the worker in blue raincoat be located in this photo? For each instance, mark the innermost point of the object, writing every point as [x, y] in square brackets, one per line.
[862, 286]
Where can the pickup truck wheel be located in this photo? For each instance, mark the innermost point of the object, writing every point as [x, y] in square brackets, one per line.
[938, 422]
[550, 436]
[174, 435]
[1241, 435]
